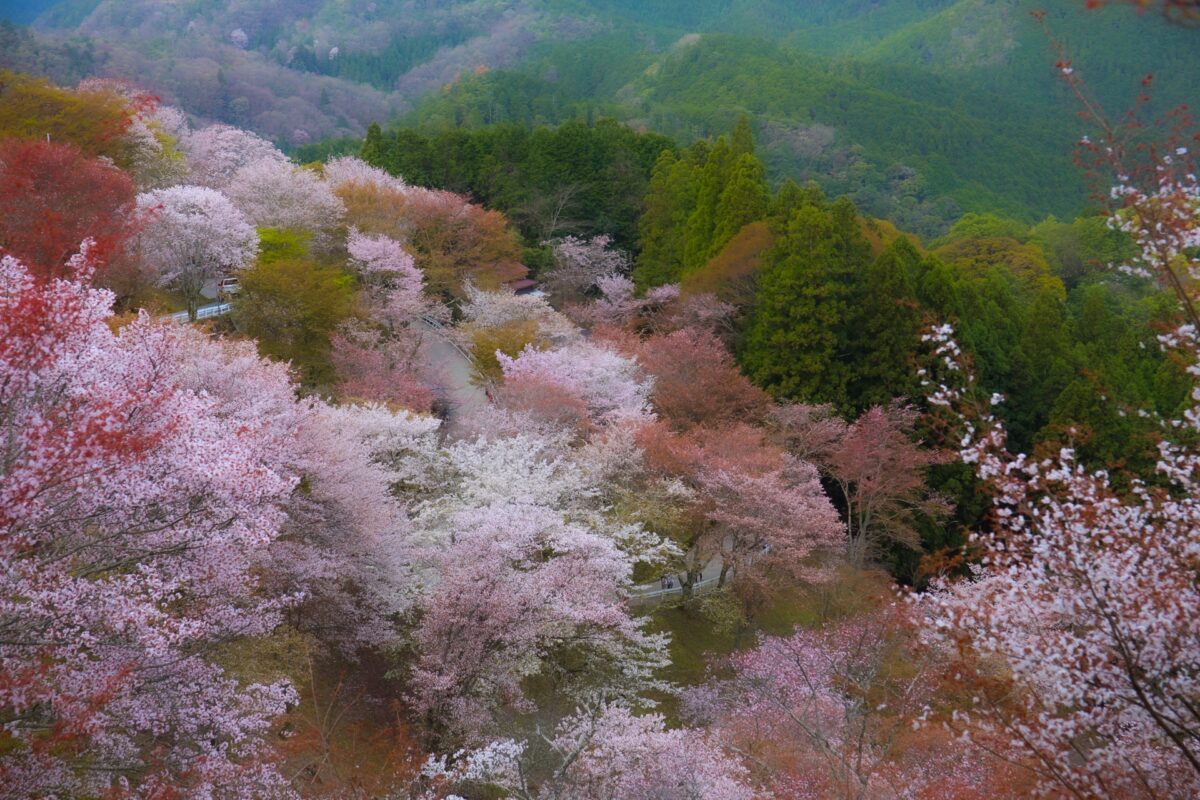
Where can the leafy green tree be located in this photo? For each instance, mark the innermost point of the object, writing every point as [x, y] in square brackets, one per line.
[889, 328]
[742, 138]
[670, 201]
[745, 199]
[702, 223]
[1042, 364]
[292, 306]
[797, 338]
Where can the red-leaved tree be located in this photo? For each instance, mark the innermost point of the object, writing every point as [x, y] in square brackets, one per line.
[52, 197]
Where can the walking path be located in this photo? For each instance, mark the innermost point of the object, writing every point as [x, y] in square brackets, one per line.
[653, 592]
[450, 370]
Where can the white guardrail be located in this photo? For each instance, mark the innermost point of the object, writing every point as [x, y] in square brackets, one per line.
[205, 312]
[640, 594]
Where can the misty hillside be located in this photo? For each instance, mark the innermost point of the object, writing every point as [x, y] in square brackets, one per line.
[918, 109]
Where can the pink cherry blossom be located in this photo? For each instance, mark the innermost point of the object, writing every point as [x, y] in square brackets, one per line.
[216, 153]
[277, 194]
[515, 584]
[191, 236]
[131, 511]
[609, 384]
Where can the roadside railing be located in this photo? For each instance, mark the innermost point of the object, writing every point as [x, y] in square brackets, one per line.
[206, 312]
[643, 595]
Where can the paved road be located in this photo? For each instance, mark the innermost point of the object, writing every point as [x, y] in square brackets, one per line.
[448, 368]
[653, 592]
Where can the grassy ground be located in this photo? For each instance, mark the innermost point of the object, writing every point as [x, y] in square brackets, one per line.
[702, 633]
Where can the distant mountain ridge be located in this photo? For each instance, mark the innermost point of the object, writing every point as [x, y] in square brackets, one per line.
[921, 108]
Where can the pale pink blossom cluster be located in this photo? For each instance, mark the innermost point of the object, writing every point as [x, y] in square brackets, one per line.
[131, 507]
[609, 384]
[349, 170]
[529, 583]
[1161, 218]
[619, 305]
[605, 751]
[495, 309]
[579, 264]
[278, 194]
[1086, 596]
[837, 706]
[395, 287]
[216, 153]
[191, 236]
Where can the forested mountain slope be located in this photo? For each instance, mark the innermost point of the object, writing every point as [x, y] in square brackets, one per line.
[919, 109]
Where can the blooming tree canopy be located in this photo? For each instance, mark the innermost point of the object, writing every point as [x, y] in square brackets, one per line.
[609, 384]
[1087, 595]
[395, 287]
[216, 153]
[606, 751]
[192, 235]
[277, 194]
[130, 509]
[527, 583]
[580, 263]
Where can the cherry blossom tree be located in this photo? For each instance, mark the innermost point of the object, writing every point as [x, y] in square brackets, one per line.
[516, 586]
[879, 469]
[768, 525]
[191, 236]
[604, 751]
[395, 287]
[216, 153]
[877, 465]
[380, 361]
[346, 544]
[706, 312]
[489, 470]
[373, 367]
[131, 510]
[580, 263]
[497, 309]
[610, 385]
[696, 381]
[345, 538]
[1076, 635]
[619, 306]
[276, 194]
[456, 242]
[1086, 595]
[153, 134]
[346, 171]
[836, 712]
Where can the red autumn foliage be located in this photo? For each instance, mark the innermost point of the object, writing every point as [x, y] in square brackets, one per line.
[52, 197]
[697, 383]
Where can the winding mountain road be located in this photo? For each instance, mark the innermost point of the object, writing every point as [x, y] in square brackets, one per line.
[451, 371]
